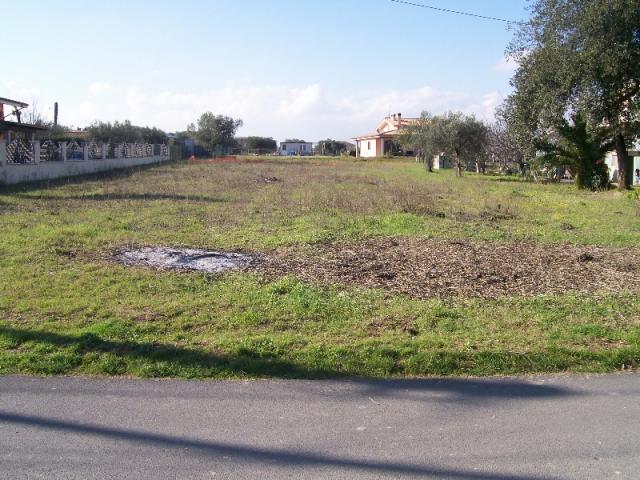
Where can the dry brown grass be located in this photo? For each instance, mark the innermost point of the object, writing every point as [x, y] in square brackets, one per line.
[428, 268]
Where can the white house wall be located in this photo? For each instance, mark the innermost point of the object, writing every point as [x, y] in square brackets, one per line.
[296, 148]
[611, 159]
[368, 148]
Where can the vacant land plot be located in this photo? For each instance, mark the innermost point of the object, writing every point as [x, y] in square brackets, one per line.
[364, 268]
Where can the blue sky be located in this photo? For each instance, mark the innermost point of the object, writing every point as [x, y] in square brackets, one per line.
[288, 68]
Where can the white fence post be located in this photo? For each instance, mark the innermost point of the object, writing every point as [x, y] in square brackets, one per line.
[3, 153]
[104, 151]
[36, 151]
[63, 151]
[85, 152]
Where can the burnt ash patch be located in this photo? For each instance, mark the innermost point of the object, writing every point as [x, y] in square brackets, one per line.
[168, 258]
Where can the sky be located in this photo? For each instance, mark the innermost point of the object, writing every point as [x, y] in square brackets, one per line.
[310, 69]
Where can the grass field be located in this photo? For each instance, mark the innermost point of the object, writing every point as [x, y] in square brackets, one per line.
[67, 308]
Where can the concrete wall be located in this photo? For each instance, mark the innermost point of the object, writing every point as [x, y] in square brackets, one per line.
[30, 172]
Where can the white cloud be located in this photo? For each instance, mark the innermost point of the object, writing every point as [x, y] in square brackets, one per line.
[506, 64]
[306, 111]
[299, 101]
[18, 91]
[99, 87]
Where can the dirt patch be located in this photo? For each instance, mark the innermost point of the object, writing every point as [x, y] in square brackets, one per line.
[222, 159]
[428, 268]
[184, 259]
[267, 179]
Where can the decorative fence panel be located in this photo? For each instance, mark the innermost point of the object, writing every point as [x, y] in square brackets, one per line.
[50, 151]
[139, 150]
[19, 151]
[94, 151]
[22, 151]
[75, 151]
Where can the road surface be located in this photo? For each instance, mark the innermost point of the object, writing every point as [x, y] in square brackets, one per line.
[562, 427]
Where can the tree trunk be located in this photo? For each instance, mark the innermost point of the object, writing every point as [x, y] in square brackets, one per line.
[522, 166]
[481, 166]
[624, 173]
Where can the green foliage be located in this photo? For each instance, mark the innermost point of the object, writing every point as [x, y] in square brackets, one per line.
[332, 147]
[580, 149]
[461, 137]
[217, 132]
[67, 308]
[257, 144]
[124, 132]
[578, 55]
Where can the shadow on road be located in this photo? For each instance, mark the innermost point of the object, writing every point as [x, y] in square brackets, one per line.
[247, 454]
[468, 390]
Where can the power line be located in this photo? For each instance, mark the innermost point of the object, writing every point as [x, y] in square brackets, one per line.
[446, 10]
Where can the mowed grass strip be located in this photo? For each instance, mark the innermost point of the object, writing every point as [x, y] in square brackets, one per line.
[66, 309]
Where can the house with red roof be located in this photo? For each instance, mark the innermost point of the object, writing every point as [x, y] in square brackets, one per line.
[384, 139]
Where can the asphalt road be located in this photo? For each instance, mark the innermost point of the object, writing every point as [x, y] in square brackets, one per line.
[565, 427]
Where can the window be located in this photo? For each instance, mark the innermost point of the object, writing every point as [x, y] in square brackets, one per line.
[284, 147]
[369, 145]
[304, 148]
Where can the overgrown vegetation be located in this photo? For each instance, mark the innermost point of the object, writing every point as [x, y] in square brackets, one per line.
[578, 56]
[124, 132]
[580, 150]
[66, 308]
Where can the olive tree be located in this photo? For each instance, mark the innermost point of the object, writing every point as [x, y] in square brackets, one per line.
[217, 132]
[460, 137]
[579, 55]
[416, 137]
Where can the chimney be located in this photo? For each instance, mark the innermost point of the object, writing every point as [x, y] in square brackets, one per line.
[399, 119]
[55, 114]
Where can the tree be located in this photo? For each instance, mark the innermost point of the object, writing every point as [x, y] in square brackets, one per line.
[33, 116]
[258, 145]
[417, 137]
[459, 136]
[331, 147]
[153, 135]
[580, 55]
[502, 147]
[579, 149]
[124, 132]
[217, 131]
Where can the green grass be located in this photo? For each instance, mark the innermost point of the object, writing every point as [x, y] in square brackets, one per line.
[66, 309]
